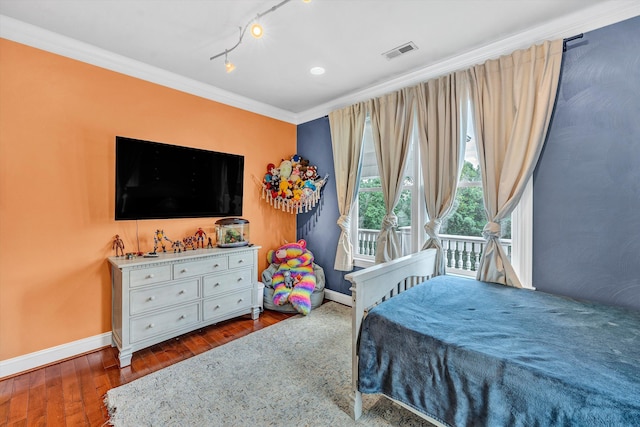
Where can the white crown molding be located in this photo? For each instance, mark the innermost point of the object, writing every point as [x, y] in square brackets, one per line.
[51, 355]
[589, 19]
[31, 35]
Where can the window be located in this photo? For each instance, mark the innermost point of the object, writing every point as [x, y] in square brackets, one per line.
[461, 231]
[369, 209]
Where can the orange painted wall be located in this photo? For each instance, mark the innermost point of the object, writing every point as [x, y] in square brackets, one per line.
[58, 122]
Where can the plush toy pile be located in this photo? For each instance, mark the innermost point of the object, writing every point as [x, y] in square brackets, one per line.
[294, 279]
[293, 185]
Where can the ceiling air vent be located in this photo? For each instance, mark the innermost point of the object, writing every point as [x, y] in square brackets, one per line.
[400, 50]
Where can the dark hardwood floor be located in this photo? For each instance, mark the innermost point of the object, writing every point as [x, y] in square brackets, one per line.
[71, 393]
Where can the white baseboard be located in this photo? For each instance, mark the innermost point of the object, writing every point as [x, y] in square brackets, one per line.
[54, 354]
[338, 297]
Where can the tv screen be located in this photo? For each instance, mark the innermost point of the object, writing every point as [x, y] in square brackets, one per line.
[161, 181]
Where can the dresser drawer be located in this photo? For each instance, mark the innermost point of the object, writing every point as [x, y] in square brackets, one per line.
[197, 268]
[157, 324]
[217, 307]
[226, 282]
[163, 296]
[148, 276]
[244, 259]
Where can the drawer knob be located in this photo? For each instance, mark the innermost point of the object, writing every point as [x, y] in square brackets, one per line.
[184, 270]
[150, 276]
[216, 265]
[184, 316]
[240, 300]
[181, 292]
[151, 325]
[240, 279]
[216, 307]
[216, 284]
[240, 261]
[151, 298]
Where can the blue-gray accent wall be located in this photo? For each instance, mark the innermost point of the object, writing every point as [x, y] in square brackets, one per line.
[586, 231]
[319, 227]
[586, 241]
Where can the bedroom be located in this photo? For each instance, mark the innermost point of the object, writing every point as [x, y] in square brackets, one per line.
[68, 290]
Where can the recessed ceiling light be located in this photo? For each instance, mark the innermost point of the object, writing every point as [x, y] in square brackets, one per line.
[316, 71]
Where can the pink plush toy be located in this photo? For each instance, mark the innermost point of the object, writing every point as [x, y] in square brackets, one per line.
[294, 281]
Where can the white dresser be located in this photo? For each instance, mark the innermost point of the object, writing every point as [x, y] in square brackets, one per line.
[154, 299]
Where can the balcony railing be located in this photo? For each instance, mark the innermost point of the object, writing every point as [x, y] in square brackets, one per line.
[462, 252]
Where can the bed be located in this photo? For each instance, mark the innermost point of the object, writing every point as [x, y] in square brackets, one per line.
[460, 352]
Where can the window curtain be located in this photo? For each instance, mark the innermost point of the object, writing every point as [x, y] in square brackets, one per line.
[390, 127]
[513, 98]
[441, 118]
[347, 129]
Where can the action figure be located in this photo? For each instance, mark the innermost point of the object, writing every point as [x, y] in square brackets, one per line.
[189, 242]
[177, 246]
[118, 244]
[200, 234]
[210, 243]
[157, 238]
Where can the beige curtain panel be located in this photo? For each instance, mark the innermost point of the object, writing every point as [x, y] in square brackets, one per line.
[347, 129]
[513, 98]
[391, 129]
[441, 117]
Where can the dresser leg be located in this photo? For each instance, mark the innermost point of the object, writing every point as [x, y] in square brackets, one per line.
[124, 358]
[255, 313]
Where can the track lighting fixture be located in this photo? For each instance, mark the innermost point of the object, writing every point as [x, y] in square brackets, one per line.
[256, 31]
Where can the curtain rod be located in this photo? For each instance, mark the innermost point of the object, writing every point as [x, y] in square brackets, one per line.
[568, 39]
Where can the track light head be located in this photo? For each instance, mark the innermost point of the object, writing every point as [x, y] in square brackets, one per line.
[228, 65]
[256, 30]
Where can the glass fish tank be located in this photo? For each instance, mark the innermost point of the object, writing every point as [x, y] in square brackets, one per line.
[232, 232]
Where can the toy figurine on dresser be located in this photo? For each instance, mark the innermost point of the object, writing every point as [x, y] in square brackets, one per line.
[177, 246]
[200, 235]
[118, 245]
[158, 239]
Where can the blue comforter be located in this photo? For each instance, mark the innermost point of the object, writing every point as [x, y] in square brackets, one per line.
[471, 353]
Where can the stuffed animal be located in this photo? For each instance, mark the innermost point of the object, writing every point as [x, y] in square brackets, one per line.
[268, 177]
[284, 188]
[294, 281]
[311, 173]
[285, 169]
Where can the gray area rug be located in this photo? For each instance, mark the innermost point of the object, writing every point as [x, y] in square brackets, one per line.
[294, 373]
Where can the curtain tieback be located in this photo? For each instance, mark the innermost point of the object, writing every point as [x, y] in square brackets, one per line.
[344, 222]
[432, 228]
[389, 221]
[491, 230]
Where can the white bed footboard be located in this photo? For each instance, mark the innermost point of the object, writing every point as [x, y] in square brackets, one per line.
[375, 284]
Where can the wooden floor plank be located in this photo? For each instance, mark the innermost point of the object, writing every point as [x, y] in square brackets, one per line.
[19, 399]
[54, 396]
[36, 415]
[72, 392]
[109, 357]
[6, 391]
[91, 400]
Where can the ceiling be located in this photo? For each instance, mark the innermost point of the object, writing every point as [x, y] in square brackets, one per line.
[171, 41]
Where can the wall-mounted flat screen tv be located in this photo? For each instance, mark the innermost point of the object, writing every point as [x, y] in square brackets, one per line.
[162, 181]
